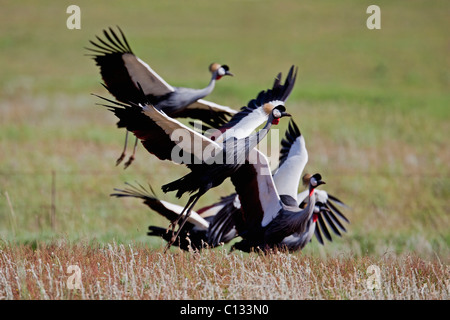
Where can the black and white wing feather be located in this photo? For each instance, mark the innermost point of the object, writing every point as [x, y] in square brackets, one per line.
[122, 70]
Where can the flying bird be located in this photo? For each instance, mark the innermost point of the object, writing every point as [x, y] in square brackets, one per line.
[268, 213]
[124, 73]
[326, 214]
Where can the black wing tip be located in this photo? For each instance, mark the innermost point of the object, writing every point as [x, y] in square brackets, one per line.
[293, 129]
[115, 44]
[334, 209]
[135, 191]
[291, 134]
[279, 91]
[338, 201]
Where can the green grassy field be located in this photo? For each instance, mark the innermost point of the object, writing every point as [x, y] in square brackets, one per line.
[373, 106]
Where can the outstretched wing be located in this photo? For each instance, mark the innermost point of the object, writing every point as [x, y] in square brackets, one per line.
[121, 70]
[329, 218]
[166, 138]
[187, 140]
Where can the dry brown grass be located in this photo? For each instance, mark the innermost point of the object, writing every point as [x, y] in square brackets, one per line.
[116, 271]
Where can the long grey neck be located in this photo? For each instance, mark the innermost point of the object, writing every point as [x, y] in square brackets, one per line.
[301, 218]
[201, 93]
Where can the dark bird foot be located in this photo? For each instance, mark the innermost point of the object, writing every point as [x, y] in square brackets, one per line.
[130, 160]
[120, 159]
[169, 244]
[171, 227]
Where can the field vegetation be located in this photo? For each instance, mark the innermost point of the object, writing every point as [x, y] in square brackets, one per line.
[113, 271]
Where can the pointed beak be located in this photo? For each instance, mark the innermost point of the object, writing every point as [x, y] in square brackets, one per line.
[228, 73]
[285, 114]
[320, 182]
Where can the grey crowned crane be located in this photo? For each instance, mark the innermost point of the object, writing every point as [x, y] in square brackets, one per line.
[122, 72]
[251, 116]
[293, 158]
[267, 213]
[269, 217]
[325, 214]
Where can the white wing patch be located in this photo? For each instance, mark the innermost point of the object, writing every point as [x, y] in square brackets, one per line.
[321, 195]
[268, 195]
[288, 175]
[212, 211]
[203, 104]
[187, 139]
[194, 217]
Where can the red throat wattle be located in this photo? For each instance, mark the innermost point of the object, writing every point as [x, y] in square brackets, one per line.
[218, 77]
[275, 121]
[315, 217]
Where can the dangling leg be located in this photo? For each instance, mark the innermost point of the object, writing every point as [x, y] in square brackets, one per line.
[122, 156]
[194, 200]
[173, 224]
[131, 158]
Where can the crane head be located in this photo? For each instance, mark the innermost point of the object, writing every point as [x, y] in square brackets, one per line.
[279, 112]
[220, 70]
[316, 180]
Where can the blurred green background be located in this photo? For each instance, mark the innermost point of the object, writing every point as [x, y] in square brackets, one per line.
[373, 106]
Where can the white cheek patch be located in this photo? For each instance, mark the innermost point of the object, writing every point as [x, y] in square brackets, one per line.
[276, 113]
[221, 72]
[313, 181]
[237, 202]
